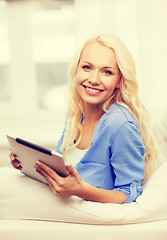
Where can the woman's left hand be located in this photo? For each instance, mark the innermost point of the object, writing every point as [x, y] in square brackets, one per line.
[70, 185]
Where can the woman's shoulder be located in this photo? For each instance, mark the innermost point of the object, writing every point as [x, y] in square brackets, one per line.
[118, 115]
[116, 118]
[116, 121]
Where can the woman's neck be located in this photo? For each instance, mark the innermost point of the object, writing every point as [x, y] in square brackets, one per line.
[92, 113]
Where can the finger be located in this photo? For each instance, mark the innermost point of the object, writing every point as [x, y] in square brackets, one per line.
[19, 167]
[42, 172]
[16, 164]
[53, 185]
[12, 156]
[14, 160]
[72, 170]
[49, 171]
[38, 171]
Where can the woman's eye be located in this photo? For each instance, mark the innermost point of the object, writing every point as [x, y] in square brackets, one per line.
[107, 72]
[86, 67]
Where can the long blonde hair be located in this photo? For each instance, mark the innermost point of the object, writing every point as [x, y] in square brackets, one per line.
[126, 95]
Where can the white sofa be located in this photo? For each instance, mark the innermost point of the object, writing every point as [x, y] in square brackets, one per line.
[29, 210]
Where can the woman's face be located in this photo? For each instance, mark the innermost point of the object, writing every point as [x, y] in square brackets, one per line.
[97, 74]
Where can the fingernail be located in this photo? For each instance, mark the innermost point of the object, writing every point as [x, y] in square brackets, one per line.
[38, 163]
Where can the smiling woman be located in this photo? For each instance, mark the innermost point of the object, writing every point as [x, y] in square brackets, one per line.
[98, 74]
[107, 120]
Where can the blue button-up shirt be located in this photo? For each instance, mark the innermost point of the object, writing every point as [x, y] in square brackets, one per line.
[114, 160]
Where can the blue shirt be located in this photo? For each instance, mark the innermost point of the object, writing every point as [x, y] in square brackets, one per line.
[114, 160]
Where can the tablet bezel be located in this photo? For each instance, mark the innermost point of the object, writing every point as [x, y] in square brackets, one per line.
[29, 153]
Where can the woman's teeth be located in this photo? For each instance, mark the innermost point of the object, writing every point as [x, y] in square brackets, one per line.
[93, 90]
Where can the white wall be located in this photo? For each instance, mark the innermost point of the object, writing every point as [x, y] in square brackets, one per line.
[142, 25]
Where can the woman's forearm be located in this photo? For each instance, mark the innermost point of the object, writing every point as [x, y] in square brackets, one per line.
[95, 194]
[74, 185]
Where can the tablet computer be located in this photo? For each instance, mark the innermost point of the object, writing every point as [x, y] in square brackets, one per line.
[29, 153]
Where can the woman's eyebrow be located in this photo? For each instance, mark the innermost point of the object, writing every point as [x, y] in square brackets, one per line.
[87, 62]
[109, 67]
[103, 67]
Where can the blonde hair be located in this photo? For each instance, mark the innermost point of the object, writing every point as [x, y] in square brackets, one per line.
[126, 95]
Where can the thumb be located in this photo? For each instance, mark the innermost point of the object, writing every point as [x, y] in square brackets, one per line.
[72, 170]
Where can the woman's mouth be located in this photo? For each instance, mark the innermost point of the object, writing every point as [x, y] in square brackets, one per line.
[93, 90]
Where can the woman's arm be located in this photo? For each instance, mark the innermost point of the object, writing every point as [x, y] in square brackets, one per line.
[95, 194]
[74, 185]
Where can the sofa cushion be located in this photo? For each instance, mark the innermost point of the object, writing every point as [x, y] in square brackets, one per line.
[24, 198]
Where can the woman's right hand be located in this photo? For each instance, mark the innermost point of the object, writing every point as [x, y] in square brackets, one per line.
[15, 163]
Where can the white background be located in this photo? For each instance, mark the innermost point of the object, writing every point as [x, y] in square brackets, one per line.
[31, 33]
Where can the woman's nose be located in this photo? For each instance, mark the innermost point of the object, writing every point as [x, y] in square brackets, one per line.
[94, 78]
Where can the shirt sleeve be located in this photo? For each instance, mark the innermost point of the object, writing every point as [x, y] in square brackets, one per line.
[127, 152]
[132, 190]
